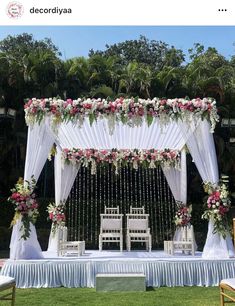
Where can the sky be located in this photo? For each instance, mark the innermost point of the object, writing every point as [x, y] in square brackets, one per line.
[78, 40]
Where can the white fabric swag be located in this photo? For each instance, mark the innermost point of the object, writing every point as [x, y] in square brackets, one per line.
[177, 179]
[39, 143]
[174, 135]
[65, 175]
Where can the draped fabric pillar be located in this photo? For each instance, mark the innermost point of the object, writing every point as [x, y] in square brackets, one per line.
[65, 175]
[39, 143]
[202, 148]
[177, 179]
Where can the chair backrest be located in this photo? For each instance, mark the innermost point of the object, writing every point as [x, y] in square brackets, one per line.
[111, 210]
[136, 210]
[111, 223]
[137, 222]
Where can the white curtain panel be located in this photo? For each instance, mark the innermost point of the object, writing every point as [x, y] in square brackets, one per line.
[97, 136]
[39, 143]
[65, 175]
[202, 148]
[177, 179]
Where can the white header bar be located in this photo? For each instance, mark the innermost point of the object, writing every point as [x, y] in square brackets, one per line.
[121, 12]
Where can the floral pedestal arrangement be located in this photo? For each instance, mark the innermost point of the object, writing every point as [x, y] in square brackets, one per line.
[218, 243]
[183, 220]
[26, 206]
[24, 243]
[57, 216]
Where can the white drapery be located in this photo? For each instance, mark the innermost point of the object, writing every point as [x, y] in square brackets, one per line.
[39, 143]
[177, 179]
[97, 136]
[65, 175]
[202, 148]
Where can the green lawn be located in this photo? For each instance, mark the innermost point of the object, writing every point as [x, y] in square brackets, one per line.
[177, 296]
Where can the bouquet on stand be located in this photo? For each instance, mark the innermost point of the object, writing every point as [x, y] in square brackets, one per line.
[56, 215]
[26, 206]
[183, 214]
[217, 206]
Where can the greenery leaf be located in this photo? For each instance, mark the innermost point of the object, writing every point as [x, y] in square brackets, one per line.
[149, 119]
[91, 118]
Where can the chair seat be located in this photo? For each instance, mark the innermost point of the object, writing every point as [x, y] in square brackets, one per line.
[228, 281]
[6, 280]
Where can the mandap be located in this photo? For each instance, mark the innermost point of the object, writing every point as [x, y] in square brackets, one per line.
[87, 130]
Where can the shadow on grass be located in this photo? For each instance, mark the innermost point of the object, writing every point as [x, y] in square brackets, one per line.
[150, 289]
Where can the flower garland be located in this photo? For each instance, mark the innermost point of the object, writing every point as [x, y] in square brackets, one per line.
[148, 158]
[25, 204]
[56, 215]
[129, 111]
[217, 207]
[183, 215]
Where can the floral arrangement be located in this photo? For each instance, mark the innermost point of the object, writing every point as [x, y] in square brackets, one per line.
[56, 214]
[217, 207]
[183, 215]
[25, 204]
[148, 158]
[129, 111]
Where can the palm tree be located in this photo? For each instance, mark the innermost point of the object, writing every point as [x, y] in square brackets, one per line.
[75, 77]
[145, 77]
[129, 78]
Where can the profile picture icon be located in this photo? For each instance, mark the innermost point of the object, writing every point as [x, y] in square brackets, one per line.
[14, 9]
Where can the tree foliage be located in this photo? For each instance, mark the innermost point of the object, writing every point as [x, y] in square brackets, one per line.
[156, 54]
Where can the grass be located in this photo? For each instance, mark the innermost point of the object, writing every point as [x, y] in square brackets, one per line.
[177, 296]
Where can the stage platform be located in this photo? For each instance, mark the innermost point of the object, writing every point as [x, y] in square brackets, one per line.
[160, 269]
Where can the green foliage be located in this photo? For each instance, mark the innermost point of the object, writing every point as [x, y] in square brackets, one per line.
[156, 54]
[149, 119]
[91, 118]
[102, 91]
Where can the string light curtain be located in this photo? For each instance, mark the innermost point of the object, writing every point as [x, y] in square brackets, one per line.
[136, 188]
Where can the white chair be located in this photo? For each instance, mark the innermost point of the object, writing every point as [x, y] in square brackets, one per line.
[111, 227]
[66, 247]
[184, 241]
[138, 230]
[7, 283]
